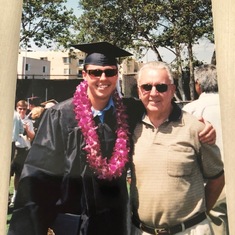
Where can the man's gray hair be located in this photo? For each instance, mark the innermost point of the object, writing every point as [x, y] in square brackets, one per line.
[155, 65]
[206, 76]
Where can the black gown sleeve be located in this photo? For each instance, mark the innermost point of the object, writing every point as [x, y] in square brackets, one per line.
[135, 110]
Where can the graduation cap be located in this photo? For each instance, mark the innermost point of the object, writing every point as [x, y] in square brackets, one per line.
[101, 53]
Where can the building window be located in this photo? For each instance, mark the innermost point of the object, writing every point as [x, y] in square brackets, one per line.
[67, 71]
[44, 69]
[27, 67]
[79, 73]
[80, 62]
[67, 60]
[43, 58]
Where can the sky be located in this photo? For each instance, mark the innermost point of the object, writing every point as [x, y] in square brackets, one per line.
[74, 4]
[202, 51]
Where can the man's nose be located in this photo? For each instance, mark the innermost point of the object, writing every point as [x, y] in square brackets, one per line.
[154, 91]
[103, 76]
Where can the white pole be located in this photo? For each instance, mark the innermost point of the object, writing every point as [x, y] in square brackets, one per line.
[224, 27]
[10, 15]
[46, 95]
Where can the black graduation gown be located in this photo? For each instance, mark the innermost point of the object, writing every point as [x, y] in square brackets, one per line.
[55, 175]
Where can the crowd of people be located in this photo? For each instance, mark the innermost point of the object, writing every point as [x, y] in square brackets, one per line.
[74, 179]
[27, 116]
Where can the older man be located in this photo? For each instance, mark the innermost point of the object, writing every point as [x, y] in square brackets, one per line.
[170, 164]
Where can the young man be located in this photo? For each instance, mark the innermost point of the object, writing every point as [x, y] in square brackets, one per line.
[170, 163]
[77, 164]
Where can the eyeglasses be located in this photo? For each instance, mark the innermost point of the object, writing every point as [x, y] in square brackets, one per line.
[159, 87]
[98, 72]
[22, 108]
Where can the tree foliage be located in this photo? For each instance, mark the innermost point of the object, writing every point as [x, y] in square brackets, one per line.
[143, 24]
[124, 23]
[46, 23]
[187, 21]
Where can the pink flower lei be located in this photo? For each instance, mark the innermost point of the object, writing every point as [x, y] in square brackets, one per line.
[115, 166]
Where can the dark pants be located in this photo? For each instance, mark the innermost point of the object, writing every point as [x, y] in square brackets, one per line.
[18, 161]
[13, 149]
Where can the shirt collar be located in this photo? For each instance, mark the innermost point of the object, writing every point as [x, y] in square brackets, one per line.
[175, 115]
[100, 113]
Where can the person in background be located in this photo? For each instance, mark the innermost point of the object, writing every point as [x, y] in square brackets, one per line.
[17, 130]
[37, 112]
[208, 107]
[23, 144]
[49, 103]
[77, 165]
[33, 101]
[36, 116]
[170, 164]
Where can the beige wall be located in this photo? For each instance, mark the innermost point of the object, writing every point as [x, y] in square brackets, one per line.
[10, 15]
[35, 68]
[224, 27]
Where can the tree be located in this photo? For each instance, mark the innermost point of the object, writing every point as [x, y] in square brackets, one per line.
[123, 23]
[46, 22]
[144, 24]
[185, 23]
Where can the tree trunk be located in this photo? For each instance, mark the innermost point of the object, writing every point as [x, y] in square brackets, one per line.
[213, 59]
[159, 58]
[179, 72]
[191, 71]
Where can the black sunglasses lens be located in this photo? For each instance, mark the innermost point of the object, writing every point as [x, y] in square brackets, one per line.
[95, 72]
[147, 87]
[161, 87]
[110, 72]
[98, 72]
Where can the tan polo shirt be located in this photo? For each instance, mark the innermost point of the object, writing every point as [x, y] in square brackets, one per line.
[167, 174]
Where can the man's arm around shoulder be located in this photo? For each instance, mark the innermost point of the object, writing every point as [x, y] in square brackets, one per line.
[213, 189]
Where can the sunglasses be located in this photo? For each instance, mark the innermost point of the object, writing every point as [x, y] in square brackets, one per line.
[159, 87]
[98, 72]
[22, 109]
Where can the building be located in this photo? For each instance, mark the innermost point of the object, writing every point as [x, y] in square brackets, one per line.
[129, 69]
[30, 68]
[43, 67]
[50, 65]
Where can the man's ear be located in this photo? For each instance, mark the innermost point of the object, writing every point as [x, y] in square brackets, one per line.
[138, 90]
[198, 88]
[173, 87]
[84, 74]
